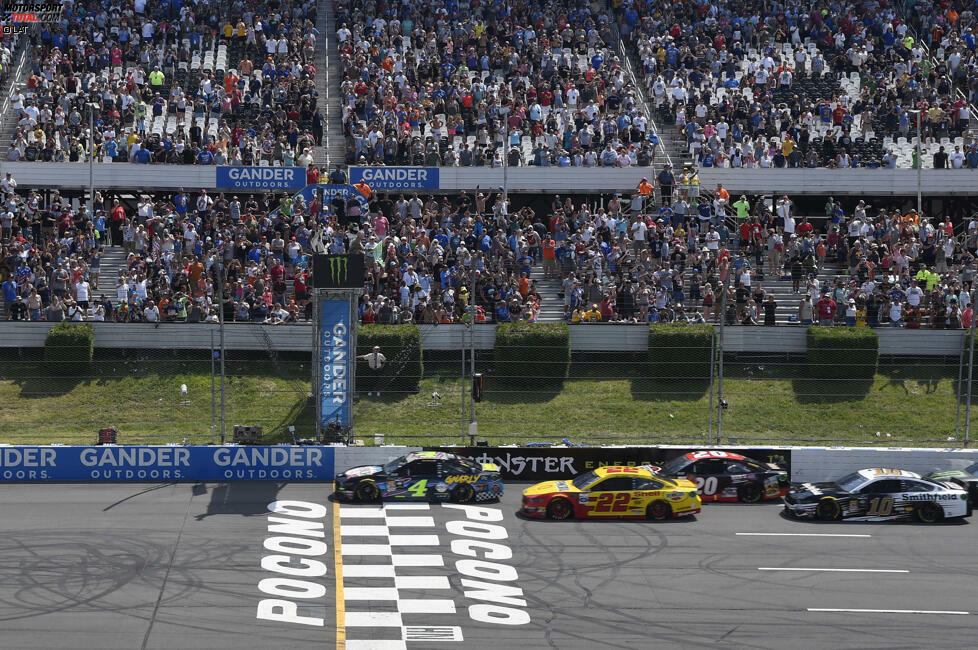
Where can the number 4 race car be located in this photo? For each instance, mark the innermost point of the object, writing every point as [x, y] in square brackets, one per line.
[613, 491]
[726, 476]
[423, 476]
[878, 495]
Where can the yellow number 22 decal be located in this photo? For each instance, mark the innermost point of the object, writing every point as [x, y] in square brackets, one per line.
[418, 489]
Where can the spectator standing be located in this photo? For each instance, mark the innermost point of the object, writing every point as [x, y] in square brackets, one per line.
[375, 362]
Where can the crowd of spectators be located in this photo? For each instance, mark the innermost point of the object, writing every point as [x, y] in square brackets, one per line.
[447, 259]
[474, 84]
[795, 84]
[177, 82]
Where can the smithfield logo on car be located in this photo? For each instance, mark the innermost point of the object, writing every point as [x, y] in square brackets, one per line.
[929, 497]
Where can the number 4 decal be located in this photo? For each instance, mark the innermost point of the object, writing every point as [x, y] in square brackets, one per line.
[418, 489]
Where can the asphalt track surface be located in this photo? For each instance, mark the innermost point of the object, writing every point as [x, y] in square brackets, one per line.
[178, 566]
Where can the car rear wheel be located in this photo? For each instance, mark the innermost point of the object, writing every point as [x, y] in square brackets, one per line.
[750, 493]
[828, 510]
[463, 493]
[658, 510]
[559, 509]
[367, 491]
[929, 512]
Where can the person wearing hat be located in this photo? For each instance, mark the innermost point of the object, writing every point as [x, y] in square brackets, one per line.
[375, 362]
[667, 181]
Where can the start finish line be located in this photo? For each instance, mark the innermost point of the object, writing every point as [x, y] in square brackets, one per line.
[166, 463]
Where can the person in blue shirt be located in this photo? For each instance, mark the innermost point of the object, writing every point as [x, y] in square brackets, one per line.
[142, 156]
[111, 149]
[9, 291]
[502, 312]
[205, 157]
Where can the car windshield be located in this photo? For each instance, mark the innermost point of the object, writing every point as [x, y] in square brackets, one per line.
[584, 480]
[394, 465]
[675, 465]
[850, 482]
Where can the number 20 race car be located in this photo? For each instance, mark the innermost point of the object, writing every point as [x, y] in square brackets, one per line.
[726, 476]
[611, 492]
[423, 476]
[878, 495]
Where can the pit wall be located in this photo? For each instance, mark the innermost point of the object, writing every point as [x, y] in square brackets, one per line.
[170, 463]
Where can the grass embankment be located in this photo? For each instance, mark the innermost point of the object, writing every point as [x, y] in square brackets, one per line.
[913, 404]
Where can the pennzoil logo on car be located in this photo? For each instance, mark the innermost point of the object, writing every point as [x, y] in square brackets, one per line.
[461, 478]
[675, 496]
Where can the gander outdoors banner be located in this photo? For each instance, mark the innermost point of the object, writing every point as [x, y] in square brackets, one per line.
[168, 463]
[335, 391]
[261, 178]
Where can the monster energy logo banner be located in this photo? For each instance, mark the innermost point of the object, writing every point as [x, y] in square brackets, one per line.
[337, 271]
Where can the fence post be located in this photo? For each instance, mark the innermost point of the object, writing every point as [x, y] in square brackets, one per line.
[713, 360]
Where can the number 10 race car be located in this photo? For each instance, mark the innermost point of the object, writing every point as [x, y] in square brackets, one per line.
[612, 492]
[878, 495]
[422, 476]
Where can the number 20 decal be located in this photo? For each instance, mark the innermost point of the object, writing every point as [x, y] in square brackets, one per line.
[706, 485]
[612, 502]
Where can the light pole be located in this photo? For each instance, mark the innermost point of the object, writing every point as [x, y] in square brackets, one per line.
[91, 157]
[920, 162]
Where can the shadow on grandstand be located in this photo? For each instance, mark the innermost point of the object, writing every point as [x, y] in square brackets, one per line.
[243, 498]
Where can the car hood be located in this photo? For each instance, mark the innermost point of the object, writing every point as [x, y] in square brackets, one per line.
[814, 491]
[549, 487]
[363, 470]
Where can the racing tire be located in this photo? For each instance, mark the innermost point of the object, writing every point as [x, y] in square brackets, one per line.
[559, 509]
[658, 511]
[750, 493]
[463, 493]
[929, 512]
[828, 510]
[366, 491]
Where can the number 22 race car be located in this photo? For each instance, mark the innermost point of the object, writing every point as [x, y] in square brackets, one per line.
[611, 492]
[726, 476]
[422, 476]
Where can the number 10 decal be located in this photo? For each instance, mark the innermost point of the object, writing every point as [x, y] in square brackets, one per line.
[706, 486]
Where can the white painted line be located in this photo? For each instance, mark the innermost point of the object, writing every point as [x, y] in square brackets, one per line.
[889, 611]
[353, 512]
[431, 633]
[366, 549]
[375, 644]
[414, 540]
[416, 560]
[779, 568]
[411, 521]
[368, 570]
[374, 619]
[425, 606]
[407, 506]
[799, 535]
[370, 593]
[363, 531]
[421, 582]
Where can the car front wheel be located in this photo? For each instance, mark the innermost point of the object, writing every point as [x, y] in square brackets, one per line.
[929, 512]
[828, 510]
[559, 509]
[463, 493]
[367, 491]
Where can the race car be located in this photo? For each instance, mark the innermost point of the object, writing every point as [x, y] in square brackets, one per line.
[878, 495]
[422, 476]
[611, 492]
[966, 478]
[726, 476]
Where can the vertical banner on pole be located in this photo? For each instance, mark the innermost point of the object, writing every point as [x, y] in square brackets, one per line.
[335, 362]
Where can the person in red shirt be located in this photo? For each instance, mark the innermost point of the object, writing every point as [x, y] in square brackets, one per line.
[826, 311]
[312, 175]
[116, 218]
[804, 228]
